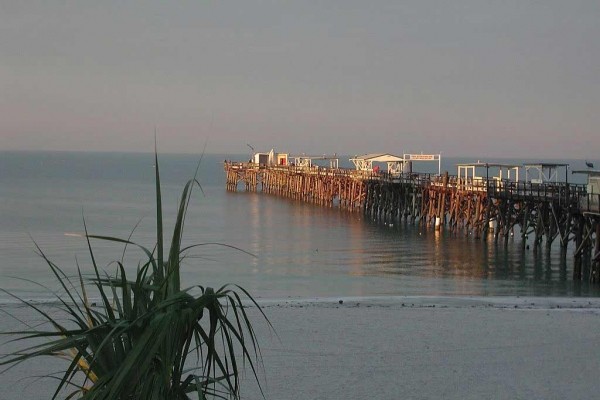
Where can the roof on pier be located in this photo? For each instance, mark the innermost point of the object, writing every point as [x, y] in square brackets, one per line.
[380, 157]
[592, 172]
[490, 165]
[545, 165]
[319, 157]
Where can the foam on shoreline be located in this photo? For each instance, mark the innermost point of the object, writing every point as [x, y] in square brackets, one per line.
[521, 302]
[591, 303]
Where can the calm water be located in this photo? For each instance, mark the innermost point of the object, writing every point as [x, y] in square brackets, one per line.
[299, 250]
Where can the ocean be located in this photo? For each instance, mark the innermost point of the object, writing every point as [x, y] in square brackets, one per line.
[275, 248]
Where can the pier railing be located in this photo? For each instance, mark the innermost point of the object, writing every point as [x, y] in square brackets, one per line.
[590, 203]
[498, 188]
[332, 172]
[561, 192]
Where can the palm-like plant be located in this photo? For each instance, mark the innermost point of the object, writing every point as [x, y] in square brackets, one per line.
[135, 344]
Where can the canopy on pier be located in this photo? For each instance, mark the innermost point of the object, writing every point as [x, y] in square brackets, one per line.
[544, 172]
[593, 179]
[589, 172]
[381, 157]
[467, 174]
[365, 162]
[591, 203]
[489, 165]
[307, 160]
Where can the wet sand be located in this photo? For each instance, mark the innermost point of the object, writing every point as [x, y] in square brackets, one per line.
[407, 348]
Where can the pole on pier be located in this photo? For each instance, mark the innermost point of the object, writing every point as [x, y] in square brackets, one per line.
[578, 246]
[594, 277]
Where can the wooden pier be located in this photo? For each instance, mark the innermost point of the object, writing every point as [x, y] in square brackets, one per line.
[542, 213]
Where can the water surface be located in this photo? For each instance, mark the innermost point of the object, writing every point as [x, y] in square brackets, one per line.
[299, 250]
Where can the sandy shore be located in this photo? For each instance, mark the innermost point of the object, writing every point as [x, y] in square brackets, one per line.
[409, 348]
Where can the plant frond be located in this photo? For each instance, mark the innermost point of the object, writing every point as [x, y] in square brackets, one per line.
[147, 338]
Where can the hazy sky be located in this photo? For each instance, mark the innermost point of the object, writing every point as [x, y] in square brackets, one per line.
[478, 78]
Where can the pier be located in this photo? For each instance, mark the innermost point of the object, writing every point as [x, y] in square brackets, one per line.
[483, 199]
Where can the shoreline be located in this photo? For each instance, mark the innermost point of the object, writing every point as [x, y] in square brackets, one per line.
[523, 302]
[459, 301]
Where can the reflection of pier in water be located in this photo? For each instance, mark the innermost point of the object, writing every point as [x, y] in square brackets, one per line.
[542, 208]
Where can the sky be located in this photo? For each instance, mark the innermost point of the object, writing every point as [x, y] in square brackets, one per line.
[509, 78]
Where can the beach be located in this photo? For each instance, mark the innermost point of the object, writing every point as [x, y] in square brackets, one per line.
[404, 348]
